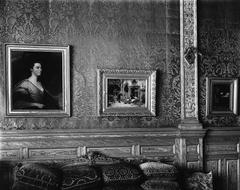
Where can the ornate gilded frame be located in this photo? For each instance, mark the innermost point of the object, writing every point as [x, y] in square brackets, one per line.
[136, 96]
[55, 71]
[221, 96]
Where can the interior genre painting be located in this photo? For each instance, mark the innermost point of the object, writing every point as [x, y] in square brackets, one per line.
[37, 78]
[126, 92]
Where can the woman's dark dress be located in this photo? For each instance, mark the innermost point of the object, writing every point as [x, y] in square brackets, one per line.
[25, 93]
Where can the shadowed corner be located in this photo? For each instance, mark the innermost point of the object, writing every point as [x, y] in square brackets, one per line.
[1, 157]
[0, 142]
[6, 166]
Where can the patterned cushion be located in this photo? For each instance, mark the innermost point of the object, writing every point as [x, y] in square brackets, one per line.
[98, 158]
[36, 177]
[159, 170]
[77, 176]
[199, 181]
[121, 173]
[122, 187]
[160, 185]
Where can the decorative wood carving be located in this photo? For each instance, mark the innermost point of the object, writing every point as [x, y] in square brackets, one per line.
[113, 151]
[189, 67]
[189, 148]
[167, 144]
[193, 165]
[222, 156]
[52, 153]
[59, 144]
[7, 154]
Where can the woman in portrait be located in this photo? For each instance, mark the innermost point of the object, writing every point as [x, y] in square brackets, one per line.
[31, 94]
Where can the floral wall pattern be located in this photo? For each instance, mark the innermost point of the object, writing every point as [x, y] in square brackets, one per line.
[219, 44]
[102, 34]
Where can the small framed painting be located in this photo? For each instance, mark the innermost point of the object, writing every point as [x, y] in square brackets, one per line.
[37, 80]
[221, 95]
[126, 92]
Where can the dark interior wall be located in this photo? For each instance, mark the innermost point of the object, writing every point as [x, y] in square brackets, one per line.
[219, 44]
[102, 34]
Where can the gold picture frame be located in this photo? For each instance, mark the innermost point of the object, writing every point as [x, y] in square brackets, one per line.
[126, 92]
[221, 96]
[37, 80]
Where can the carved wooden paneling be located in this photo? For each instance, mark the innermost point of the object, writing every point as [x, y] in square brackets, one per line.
[194, 153]
[6, 154]
[193, 165]
[214, 149]
[223, 157]
[113, 151]
[192, 149]
[232, 167]
[180, 150]
[44, 145]
[165, 153]
[192, 157]
[157, 150]
[214, 166]
[225, 173]
[52, 153]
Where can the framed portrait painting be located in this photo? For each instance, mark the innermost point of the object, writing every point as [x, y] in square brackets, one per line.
[221, 96]
[126, 92]
[37, 80]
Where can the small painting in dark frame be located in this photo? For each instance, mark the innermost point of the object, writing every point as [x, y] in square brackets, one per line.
[221, 95]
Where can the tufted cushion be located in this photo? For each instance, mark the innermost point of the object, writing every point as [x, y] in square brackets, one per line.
[121, 173]
[199, 181]
[36, 177]
[77, 176]
[159, 170]
[160, 185]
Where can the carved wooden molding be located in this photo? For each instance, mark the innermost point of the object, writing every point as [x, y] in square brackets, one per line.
[99, 133]
[192, 133]
[226, 132]
[88, 133]
[159, 143]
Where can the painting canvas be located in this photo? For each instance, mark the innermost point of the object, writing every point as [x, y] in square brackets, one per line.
[126, 92]
[222, 95]
[37, 80]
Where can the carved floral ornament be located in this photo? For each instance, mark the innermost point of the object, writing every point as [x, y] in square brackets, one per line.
[190, 54]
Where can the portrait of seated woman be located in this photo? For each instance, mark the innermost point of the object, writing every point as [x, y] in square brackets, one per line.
[30, 93]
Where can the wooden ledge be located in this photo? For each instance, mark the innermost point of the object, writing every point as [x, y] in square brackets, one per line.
[89, 133]
[223, 131]
[100, 133]
[200, 133]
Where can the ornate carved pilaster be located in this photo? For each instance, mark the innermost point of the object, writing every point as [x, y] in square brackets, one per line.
[189, 67]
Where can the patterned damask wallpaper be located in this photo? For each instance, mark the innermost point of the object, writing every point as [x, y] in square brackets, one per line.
[219, 45]
[102, 34]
